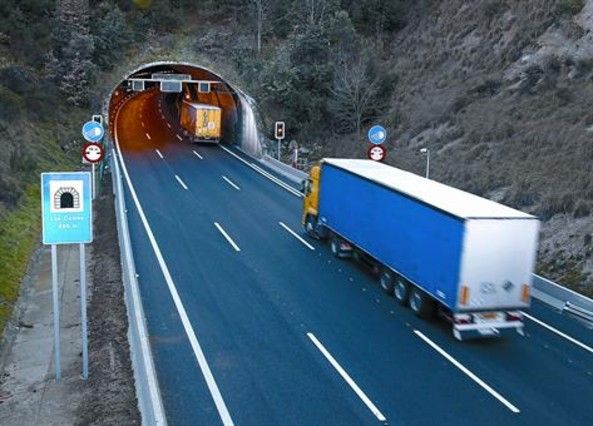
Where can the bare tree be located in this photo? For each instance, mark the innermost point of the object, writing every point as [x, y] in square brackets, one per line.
[261, 8]
[354, 92]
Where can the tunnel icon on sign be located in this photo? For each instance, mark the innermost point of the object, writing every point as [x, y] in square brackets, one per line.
[66, 196]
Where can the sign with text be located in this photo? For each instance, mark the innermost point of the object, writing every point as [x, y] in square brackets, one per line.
[66, 207]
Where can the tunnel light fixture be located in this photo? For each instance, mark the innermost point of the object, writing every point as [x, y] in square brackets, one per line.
[138, 85]
[171, 86]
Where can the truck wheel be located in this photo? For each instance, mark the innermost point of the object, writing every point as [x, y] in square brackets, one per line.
[336, 247]
[422, 305]
[386, 281]
[310, 224]
[401, 291]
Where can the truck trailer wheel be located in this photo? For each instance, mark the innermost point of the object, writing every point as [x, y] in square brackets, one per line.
[337, 247]
[387, 281]
[422, 305]
[401, 291]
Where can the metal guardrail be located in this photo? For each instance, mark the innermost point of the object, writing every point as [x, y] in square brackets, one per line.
[147, 389]
[294, 175]
[571, 301]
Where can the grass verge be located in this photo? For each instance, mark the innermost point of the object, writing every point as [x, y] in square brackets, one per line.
[19, 235]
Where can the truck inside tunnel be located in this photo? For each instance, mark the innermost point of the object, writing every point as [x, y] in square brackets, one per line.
[173, 102]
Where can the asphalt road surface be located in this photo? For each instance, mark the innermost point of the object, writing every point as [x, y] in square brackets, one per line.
[252, 322]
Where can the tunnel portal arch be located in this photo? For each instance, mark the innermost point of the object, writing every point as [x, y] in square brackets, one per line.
[241, 123]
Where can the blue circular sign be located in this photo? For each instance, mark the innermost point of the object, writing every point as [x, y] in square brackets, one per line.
[92, 131]
[377, 134]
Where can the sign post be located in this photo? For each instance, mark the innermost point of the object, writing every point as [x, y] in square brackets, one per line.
[279, 134]
[66, 212]
[93, 153]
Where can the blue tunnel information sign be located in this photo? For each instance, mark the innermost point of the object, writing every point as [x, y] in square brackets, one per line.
[66, 208]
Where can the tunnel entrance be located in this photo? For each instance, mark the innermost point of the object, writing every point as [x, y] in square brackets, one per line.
[197, 103]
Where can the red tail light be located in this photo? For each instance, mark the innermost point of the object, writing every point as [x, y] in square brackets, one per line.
[462, 319]
[514, 316]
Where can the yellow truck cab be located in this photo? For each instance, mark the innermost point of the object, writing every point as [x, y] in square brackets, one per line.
[311, 202]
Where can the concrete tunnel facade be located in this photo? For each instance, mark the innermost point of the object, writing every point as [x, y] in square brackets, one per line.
[240, 123]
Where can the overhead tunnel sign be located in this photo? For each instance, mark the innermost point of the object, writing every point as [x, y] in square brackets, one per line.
[66, 208]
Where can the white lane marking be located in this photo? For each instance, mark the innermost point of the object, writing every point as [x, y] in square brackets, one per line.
[143, 124]
[162, 116]
[228, 238]
[231, 183]
[138, 313]
[181, 182]
[347, 378]
[197, 155]
[297, 236]
[179, 137]
[189, 331]
[264, 173]
[168, 125]
[558, 332]
[148, 136]
[159, 153]
[467, 372]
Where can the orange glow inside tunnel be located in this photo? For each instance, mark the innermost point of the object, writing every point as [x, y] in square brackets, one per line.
[151, 115]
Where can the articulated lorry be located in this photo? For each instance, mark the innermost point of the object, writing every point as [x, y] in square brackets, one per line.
[202, 122]
[434, 247]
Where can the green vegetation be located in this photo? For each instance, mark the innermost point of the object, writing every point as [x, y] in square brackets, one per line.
[19, 235]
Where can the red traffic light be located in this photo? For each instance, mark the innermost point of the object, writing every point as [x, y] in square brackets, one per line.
[279, 132]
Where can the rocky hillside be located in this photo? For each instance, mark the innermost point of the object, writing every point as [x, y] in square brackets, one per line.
[501, 92]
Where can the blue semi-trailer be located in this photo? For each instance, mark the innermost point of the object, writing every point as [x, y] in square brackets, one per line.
[435, 247]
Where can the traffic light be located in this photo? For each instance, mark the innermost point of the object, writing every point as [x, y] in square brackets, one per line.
[279, 132]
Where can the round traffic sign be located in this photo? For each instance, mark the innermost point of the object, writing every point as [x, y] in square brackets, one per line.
[93, 152]
[92, 131]
[377, 134]
[377, 153]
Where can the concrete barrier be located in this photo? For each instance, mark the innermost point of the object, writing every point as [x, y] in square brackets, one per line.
[147, 390]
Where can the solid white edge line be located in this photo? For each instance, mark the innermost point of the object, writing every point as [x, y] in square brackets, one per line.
[226, 236]
[197, 155]
[148, 136]
[159, 153]
[264, 173]
[558, 332]
[179, 137]
[297, 236]
[347, 378]
[181, 182]
[189, 331]
[138, 314]
[468, 373]
[231, 183]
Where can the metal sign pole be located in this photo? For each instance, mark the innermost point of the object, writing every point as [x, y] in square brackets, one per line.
[278, 149]
[93, 180]
[56, 303]
[83, 318]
